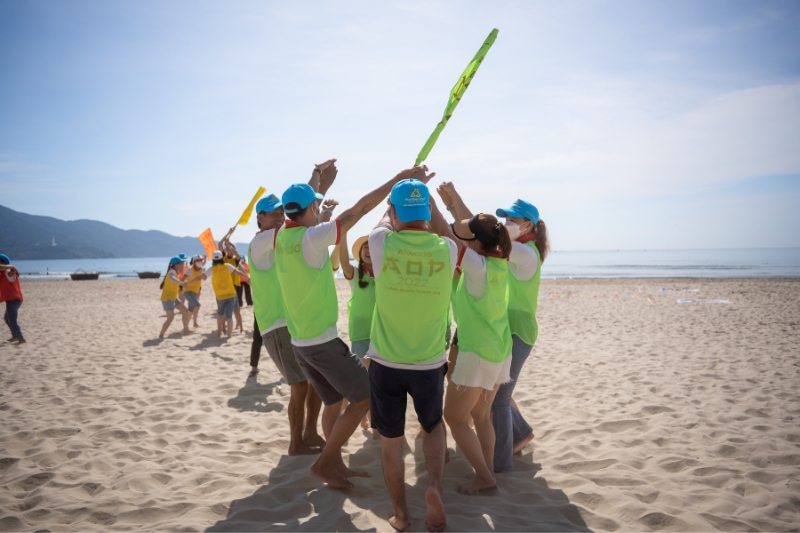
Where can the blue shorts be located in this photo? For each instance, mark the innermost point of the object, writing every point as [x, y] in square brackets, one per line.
[170, 305]
[192, 300]
[389, 390]
[225, 307]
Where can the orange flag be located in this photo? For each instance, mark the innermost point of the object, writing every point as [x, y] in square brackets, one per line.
[208, 242]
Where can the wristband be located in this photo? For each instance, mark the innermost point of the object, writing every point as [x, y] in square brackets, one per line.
[316, 169]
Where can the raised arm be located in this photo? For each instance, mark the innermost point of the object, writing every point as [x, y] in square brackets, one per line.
[344, 257]
[323, 176]
[350, 216]
[441, 227]
[453, 200]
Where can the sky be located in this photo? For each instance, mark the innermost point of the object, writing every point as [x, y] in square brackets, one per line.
[630, 125]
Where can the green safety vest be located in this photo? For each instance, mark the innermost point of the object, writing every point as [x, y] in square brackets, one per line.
[360, 308]
[411, 297]
[309, 295]
[483, 324]
[522, 302]
[267, 297]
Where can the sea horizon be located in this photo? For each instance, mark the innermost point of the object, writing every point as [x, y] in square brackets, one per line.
[559, 264]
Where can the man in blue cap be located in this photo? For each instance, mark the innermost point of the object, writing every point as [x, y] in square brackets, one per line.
[529, 249]
[413, 270]
[270, 329]
[310, 300]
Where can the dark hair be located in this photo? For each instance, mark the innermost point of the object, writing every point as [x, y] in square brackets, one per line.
[540, 239]
[496, 236]
[216, 262]
[297, 215]
[361, 283]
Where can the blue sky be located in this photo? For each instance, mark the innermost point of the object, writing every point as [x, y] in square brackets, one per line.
[629, 124]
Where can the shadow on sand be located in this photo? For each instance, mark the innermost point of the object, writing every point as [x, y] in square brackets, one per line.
[254, 396]
[290, 500]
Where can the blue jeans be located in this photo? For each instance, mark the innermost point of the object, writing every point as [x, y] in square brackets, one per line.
[509, 425]
[12, 308]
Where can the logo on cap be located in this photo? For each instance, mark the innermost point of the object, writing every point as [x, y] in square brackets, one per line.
[415, 193]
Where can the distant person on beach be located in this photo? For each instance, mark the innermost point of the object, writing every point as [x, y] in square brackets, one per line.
[11, 294]
[413, 279]
[169, 297]
[192, 290]
[231, 257]
[181, 271]
[361, 305]
[270, 321]
[243, 292]
[529, 250]
[484, 357]
[306, 274]
[225, 293]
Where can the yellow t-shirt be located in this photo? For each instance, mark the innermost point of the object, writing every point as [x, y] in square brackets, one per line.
[234, 277]
[196, 285]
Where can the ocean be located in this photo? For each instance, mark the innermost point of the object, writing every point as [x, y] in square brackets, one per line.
[721, 263]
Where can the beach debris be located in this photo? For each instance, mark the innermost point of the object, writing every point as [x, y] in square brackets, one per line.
[690, 301]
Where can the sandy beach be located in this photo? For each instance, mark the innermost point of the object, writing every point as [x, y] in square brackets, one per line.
[648, 414]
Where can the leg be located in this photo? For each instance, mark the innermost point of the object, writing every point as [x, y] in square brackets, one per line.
[239, 294]
[501, 409]
[522, 432]
[255, 348]
[248, 296]
[297, 445]
[394, 476]
[329, 416]
[195, 313]
[11, 316]
[329, 466]
[434, 445]
[313, 406]
[185, 317]
[482, 415]
[229, 325]
[238, 314]
[220, 324]
[167, 322]
[458, 405]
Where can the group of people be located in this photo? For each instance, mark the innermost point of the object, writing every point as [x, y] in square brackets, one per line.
[182, 286]
[412, 269]
[11, 294]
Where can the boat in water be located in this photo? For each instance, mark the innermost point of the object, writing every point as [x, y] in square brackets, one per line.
[148, 275]
[82, 275]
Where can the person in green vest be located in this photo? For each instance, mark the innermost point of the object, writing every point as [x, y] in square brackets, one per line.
[528, 252]
[413, 280]
[361, 305]
[484, 358]
[305, 275]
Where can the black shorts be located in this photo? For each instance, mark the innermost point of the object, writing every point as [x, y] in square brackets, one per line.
[389, 388]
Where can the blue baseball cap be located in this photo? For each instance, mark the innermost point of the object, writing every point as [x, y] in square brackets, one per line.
[520, 209]
[4, 259]
[268, 204]
[411, 200]
[301, 194]
[182, 256]
[175, 260]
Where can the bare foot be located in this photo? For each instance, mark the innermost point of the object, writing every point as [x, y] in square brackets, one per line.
[187, 332]
[400, 521]
[21, 341]
[436, 520]
[365, 423]
[478, 486]
[314, 440]
[304, 449]
[347, 472]
[161, 336]
[12, 339]
[330, 476]
[518, 446]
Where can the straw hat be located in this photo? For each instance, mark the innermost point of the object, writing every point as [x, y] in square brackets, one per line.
[357, 247]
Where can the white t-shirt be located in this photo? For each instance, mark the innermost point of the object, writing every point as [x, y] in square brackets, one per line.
[523, 261]
[231, 269]
[316, 241]
[377, 240]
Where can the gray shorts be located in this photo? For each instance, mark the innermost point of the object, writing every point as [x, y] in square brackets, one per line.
[333, 371]
[192, 300]
[170, 305]
[225, 307]
[360, 348]
[278, 343]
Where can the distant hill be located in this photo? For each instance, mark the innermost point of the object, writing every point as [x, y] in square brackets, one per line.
[24, 236]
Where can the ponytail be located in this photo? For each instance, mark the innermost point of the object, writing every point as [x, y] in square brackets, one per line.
[504, 242]
[361, 283]
[541, 241]
[492, 235]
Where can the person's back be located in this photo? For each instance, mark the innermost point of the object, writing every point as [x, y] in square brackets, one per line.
[523, 301]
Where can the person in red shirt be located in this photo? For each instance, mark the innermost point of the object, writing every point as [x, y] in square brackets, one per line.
[11, 294]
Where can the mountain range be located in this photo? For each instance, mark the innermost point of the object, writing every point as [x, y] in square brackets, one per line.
[24, 236]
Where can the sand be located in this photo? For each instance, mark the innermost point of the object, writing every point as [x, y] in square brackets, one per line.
[649, 415]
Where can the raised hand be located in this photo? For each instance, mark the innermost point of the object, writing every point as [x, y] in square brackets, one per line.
[329, 204]
[327, 176]
[444, 193]
[325, 164]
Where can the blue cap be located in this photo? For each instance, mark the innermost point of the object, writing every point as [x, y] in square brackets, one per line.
[177, 259]
[268, 204]
[520, 209]
[182, 256]
[4, 259]
[299, 193]
[411, 200]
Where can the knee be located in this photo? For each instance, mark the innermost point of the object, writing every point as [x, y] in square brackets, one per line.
[299, 388]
